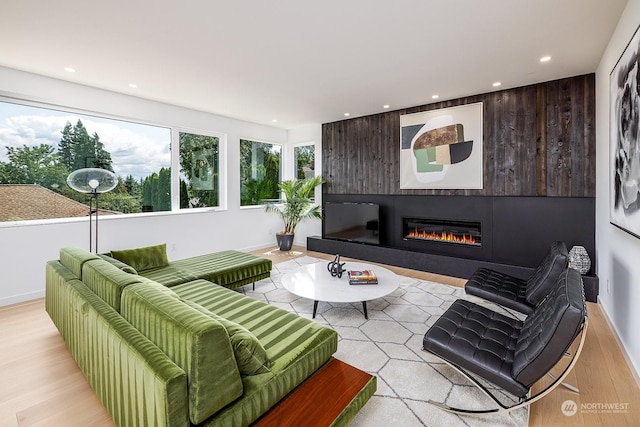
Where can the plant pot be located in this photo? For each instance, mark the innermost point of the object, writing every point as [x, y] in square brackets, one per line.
[285, 241]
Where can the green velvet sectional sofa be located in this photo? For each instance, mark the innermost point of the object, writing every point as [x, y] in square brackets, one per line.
[169, 344]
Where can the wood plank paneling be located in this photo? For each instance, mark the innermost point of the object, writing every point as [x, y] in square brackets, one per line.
[587, 153]
[539, 140]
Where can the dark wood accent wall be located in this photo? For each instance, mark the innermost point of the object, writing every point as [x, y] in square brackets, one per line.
[539, 140]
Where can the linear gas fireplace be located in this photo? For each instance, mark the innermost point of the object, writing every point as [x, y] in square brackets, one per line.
[439, 230]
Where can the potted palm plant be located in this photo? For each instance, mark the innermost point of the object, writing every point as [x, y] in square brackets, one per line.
[297, 206]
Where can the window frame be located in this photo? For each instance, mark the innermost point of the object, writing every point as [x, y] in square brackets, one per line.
[293, 160]
[280, 168]
[175, 165]
[318, 190]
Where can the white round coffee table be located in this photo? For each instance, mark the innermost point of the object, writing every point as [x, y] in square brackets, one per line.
[315, 282]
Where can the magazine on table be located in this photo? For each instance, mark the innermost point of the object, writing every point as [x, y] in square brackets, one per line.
[362, 277]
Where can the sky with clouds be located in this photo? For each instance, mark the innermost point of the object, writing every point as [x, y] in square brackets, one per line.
[136, 149]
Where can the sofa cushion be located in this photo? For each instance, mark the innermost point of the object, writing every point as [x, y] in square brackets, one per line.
[107, 281]
[251, 356]
[197, 343]
[285, 336]
[121, 265]
[144, 258]
[168, 275]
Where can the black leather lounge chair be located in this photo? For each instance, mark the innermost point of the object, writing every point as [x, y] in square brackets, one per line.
[510, 353]
[519, 294]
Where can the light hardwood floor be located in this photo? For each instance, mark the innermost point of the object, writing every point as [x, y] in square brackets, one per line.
[41, 385]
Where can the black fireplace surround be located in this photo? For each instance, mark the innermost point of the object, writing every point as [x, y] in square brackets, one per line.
[514, 233]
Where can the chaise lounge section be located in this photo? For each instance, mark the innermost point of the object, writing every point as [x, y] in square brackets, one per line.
[230, 269]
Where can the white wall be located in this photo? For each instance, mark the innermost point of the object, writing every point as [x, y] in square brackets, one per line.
[25, 248]
[618, 257]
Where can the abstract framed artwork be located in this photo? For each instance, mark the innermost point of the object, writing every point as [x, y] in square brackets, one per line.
[442, 149]
[624, 124]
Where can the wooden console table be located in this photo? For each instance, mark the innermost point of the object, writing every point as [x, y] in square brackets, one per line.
[330, 397]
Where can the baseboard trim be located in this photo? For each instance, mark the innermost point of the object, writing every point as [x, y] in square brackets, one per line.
[259, 247]
[15, 299]
[625, 353]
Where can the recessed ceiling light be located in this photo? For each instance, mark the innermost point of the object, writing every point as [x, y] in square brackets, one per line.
[545, 59]
[496, 84]
[347, 114]
[435, 96]
[133, 85]
[385, 106]
[70, 70]
[274, 121]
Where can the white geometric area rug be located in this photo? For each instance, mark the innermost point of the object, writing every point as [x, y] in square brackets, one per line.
[389, 345]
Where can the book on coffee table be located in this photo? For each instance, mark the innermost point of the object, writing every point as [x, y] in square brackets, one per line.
[362, 277]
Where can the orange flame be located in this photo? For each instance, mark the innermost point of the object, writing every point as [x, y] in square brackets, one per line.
[442, 236]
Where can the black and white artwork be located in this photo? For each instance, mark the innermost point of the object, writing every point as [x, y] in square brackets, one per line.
[624, 142]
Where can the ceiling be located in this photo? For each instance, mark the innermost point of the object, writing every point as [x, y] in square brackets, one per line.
[302, 62]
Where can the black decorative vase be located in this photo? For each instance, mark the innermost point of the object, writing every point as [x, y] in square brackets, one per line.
[285, 241]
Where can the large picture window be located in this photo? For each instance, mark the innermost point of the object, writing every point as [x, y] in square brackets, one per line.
[259, 172]
[199, 170]
[40, 147]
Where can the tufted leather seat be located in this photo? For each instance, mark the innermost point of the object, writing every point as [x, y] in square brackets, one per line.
[519, 294]
[471, 334]
[507, 352]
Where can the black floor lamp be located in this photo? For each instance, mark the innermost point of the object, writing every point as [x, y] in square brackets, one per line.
[92, 181]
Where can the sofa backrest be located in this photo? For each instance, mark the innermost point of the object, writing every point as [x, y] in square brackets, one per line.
[107, 281]
[550, 329]
[74, 258]
[194, 341]
[546, 275]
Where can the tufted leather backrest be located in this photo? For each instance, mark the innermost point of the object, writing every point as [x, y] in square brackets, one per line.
[550, 329]
[540, 283]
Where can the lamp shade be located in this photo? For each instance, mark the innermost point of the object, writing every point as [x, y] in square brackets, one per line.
[92, 180]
